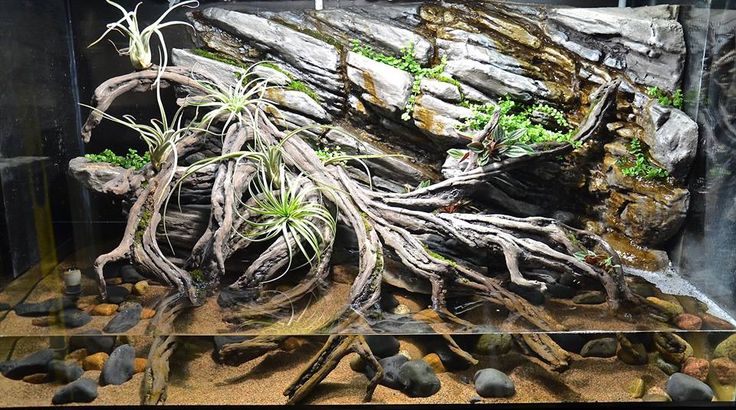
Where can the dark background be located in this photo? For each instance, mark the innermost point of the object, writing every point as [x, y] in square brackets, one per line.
[46, 70]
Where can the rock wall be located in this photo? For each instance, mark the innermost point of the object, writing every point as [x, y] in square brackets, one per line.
[489, 50]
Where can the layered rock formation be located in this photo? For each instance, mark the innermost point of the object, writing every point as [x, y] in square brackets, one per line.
[488, 51]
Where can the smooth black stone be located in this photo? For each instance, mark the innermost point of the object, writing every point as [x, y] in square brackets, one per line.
[37, 362]
[603, 347]
[44, 308]
[569, 341]
[493, 383]
[560, 291]
[229, 298]
[382, 346]
[681, 387]
[116, 294]
[450, 360]
[533, 296]
[390, 366]
[118, 368]
[4, 306]
[93, 344]
[130, 275]
[124, 320]
[73, 318]
[64, 372]
[221, 341]
[418, 379]
[79, 391]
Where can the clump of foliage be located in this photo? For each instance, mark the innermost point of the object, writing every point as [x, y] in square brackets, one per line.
[330, 155]
[496, 144]
[407, 62]
[666, 99]
[139, 41]
[297, 85]
[131, 160]
[642, 167]
[592, 258]
[515, 116]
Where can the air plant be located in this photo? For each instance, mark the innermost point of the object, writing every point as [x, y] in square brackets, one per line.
[233, 102]
[139, 41]
[161, 135]
[286, 208]
[493, 143]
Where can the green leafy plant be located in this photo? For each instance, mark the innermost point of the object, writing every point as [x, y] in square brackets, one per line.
[642, 167]
[496, 144]
[297, 85]
[131, 160]
[139, 41]
[675, 99]
[515, 117]
[328, 155]
[407, 62]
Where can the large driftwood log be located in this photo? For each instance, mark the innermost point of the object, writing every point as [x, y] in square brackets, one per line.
[385, 225]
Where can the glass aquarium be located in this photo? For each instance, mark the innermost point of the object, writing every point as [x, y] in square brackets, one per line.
[345, 202]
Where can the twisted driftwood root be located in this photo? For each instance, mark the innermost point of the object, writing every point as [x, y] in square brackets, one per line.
[386, 225]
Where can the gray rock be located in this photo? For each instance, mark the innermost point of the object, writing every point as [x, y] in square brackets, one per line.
[73, 318]
[44, 308]
[4, 306]
[298, 102]
[436, 118]
[604, 347]
[383, 346]
[300, 50]
[559, 37]
[493, 383]
[418, 379]
[119, 367]
[379, 84]
[64, 372]
[37, 362]
[389, 38]
[274, 76]
[441, 89]
[672, 137]
[592, 297]
[666, 367]
[390, 366]
[491, 79]
[93, 344]
[215, 70]
[681, 387]
[124, 320]
[79, 391]
[569, 341]
[103, 177]
[494, 344]
[116, 294]
[649, 42]
[130, 275]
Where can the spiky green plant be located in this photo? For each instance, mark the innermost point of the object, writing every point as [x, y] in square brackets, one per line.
[139, 41]
[496, 144]
[286, 208]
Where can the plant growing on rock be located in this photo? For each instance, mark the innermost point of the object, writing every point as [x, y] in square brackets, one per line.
[642, 167]
[493, 143]
[131, 160]
[675, 99]
[139, 41]
[268, 184]
[407, 62]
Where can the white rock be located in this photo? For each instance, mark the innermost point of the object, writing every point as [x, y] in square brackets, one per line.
[441, 89]
[379, 84]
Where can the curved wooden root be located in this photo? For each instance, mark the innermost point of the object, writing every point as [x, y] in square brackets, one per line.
[385, 224]
[336, 347]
